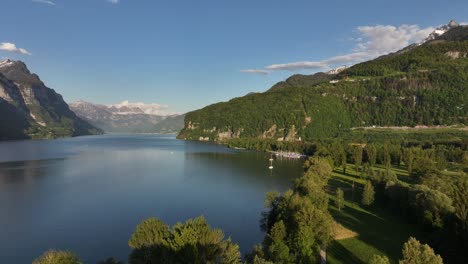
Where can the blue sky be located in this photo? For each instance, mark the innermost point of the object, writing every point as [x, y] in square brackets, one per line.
[188, 54]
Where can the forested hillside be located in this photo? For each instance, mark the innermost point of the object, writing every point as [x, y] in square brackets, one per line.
[421, 85]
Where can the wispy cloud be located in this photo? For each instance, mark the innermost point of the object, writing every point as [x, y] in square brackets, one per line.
[296, 65]
[114, 2]
[372, 41]
[256, 71]
[47, 2]
[7, 46]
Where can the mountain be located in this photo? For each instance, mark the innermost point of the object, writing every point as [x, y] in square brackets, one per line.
[29, 109]
[170, 125]
[129, 117]
[441, 30]
[425, 85]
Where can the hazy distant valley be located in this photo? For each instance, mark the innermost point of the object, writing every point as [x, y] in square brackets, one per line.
[129, 117]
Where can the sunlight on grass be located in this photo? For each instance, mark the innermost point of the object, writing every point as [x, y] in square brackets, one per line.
[378, 231]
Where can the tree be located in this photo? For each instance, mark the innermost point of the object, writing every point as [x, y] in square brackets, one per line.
[385, 156]
[339, 199]
[110, 261]
[320, 167]
[191, 242]
[150, 232]
[368, 194]
[357, 154]
[416, 253]
[259, 260]
[57, 257]
[371, 153]
[408, 158]
[278, 251]
[422, 166]
[460, 202]
[377, 259]
[343, 160]
[433, 206]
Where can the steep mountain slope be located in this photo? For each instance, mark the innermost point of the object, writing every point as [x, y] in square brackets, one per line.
[29, 109]
[127, 118]
[425, 85]
[172, 124]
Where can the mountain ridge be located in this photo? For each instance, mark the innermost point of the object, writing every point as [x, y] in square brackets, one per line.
[128, 117]
[37, 110]
[425, 85]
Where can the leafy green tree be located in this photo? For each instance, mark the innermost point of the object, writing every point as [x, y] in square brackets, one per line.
[110, 261]
[387, 158]
[416, 253]
[432, 206]
[372, 154]
[357, 155]
[422, 167]
[278, 251]
[408, 158]
[298, 223]
[150, 232]
[377, 259]
[191, 242]
[460, 201]
[343, 161]
[259, 260]
[321, 168]
[368, 194]
[57, 257]
[339, 199]
[311, 186]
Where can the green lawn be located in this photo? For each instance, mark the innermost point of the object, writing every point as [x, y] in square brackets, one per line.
[379, 231]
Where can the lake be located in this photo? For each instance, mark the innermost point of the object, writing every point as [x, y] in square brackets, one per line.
[87, 194]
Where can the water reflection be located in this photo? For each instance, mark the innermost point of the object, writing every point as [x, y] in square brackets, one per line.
[87, 194]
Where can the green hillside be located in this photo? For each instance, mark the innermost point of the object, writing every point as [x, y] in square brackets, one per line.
[423, 85]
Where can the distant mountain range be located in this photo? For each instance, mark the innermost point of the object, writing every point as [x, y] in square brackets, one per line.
[29, 109]
[423, 84]
[127, 117]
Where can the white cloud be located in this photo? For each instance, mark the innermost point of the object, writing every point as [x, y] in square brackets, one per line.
[114, 2]
[384, 39]
[151, 108]
[464, 23]
[7, 46]
[297, 65]
[47, 2]
[256, 71]
[372, 42]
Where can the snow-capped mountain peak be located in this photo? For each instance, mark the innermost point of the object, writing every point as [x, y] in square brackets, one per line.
[337, 70]
[440, 31]
[6, 63]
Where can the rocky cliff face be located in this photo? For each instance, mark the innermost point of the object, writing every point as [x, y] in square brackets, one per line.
[29, 109]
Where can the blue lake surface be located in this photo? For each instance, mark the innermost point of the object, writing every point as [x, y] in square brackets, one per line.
[87, 194]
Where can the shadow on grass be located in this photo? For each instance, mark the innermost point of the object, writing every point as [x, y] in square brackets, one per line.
[377, 229]
[337, 253]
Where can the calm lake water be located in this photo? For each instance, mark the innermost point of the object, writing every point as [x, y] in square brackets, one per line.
[88, 194]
